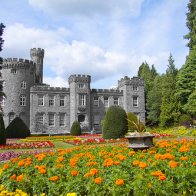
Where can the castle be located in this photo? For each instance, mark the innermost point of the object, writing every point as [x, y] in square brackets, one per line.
[54, 109]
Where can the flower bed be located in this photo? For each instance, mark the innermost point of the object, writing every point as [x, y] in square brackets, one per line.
[167, 168]
[45, 144]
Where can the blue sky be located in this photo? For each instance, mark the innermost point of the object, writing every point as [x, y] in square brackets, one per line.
[104, 39]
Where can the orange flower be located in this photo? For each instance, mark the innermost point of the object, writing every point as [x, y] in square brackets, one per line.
[142, 156]
[20, 178]
[87, 175]
[73, 162]
[184, 158]
[91, 163]
[131, 153]
[21, 163]
[98, 180]
[13, 177]
[173, 164]
[5, 166]
[157, 173]
[116, 163]
[142, 165]
[42, 171]
[162, 177]
[184, 149]
[136, 162]
[108, 162]
[74, 173]
[94, 171]
[54, 178]
[60, 159]
[119, 182]
[194, 163]
[60, 165]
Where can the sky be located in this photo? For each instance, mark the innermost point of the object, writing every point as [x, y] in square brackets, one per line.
[107, 39]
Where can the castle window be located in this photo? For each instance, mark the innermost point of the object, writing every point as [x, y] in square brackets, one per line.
[82, 99]
[23, 100]
[61, 119]
[23, 85]
[51, 120]
[81, 85]
[40, 100]
[96, 101]
[135, 101]
[40, 118]
[2, 101]
[51, 100]
[13, 71]
[135, 88]
[116, 101]
[11, 117]
[106, 102]
[62, 100]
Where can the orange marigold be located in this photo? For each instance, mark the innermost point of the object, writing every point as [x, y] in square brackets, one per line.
[142, 165]
[54, 178]
[119, 182]
[136, 162]
[184, 158]
[60, 159]
[173, 164]
[162, 177]
[5, 166]
[108, 162]
[74, 173]
[87, 175]
[94, 171]
[157, 173]
[21, 163]
[20, 178]
[131, 153]
[98, 180]
[184, 149]
[13, 177]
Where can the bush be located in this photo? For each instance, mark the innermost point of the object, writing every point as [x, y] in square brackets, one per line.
[185, 120]
[115, 124]
[75, 128]
[2, 131]
[17, 129]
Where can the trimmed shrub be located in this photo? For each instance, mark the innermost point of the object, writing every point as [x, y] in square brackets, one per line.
[75, 128]
[185, 120]
[17, 129]
[2, 131]
[132, 120]
[115, 124]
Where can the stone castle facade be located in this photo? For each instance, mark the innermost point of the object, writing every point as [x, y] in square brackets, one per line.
[54, 109]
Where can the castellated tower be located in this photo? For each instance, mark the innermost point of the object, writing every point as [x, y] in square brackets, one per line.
[133, 95]
[19, 76]
[37, 56]
[80, 100]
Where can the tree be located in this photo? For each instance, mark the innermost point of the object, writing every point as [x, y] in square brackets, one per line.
[169, 107]
[190, 107]
[115, 124]
[154, 101]
[2, 131]
[191, 24]
[75, 128]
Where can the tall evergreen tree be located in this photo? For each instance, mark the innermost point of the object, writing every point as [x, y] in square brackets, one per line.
[191, 24]
[169, 108]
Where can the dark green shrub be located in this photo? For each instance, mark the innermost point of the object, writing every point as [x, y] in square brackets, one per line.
[17, 129]
[115, 124]
[75, 128]
[2, 131]
[185, 120]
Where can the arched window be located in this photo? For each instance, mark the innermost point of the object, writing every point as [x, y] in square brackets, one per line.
[23, 100]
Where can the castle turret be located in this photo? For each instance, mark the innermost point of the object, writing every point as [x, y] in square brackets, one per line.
[18, 76]
[37, 56]
[80, 100]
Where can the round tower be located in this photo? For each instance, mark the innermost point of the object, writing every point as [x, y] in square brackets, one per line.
[37, 56]
[80, 100]
[18, 76]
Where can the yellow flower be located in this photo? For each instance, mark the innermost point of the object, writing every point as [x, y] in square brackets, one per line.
[71, 194]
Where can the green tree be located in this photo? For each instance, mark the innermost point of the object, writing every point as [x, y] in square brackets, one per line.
[191, 24]
[190, 107]
[169, 107]
[154, 101]
[115, 124]
[75, 128]
[2, 131]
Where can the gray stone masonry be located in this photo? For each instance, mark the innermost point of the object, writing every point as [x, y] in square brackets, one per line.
[53, 109]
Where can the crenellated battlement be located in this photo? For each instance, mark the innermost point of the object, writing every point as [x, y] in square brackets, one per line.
[46, 87]
[17, 63]
[37, 52]
[79, 78]
[136, 81]
[106, 91]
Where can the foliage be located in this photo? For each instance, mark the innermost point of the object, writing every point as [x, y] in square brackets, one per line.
[2, 131]
[138, 125]
[190, 107]
[75, 128]
[105, 170]
[185, 120]
[169, 107]
[115, 123]
[17, 129]
[154, 101]
[191, 24]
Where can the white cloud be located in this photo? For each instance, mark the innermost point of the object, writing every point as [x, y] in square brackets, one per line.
[56, 81]
[89, 7]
